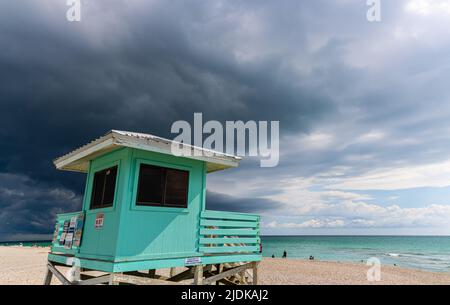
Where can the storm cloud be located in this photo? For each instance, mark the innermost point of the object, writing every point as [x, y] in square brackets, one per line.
[222, 202]
[353, 98]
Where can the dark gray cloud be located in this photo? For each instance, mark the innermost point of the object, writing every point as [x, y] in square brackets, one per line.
[123, 67]
[64, 83]
[28, 206]
[316, 66]
[223, 202]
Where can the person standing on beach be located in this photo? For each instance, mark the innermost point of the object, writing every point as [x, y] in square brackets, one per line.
[284, 254]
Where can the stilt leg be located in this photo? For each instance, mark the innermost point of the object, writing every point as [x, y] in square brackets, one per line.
[58, 274]
[219, 270]
[112, 280]
[48, 276]
[255, 273]
[172, 271]
[198, 275]
[242, 277]
[75, 274]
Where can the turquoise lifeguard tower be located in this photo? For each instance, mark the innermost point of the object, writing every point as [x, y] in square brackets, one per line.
[144, 210]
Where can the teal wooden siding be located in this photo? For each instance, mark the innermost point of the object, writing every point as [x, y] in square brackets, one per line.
[102, 243]
[161, 232]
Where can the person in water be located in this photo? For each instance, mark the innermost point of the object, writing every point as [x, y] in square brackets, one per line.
[273, 255]
[284, 254]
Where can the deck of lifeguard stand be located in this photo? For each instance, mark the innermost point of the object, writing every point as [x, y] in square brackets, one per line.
[212, 269]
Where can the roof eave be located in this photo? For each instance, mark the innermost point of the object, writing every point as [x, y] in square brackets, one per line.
[77, 159]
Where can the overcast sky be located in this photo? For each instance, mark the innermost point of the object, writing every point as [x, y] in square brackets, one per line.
[364, 108]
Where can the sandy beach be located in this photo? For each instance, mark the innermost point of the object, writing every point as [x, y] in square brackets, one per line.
[26, 265]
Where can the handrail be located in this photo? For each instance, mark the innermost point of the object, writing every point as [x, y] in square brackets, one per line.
[229, 232]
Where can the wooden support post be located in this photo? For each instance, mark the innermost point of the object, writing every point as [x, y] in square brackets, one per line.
[151, 273]
[255, 273]
[242, 279]
[173, 271]
[75, 274]
[58, 274]
[226, 282]
[198, 275]
[113, 279]
[227, 273]
[218, 270]
[96, 280]
[48, 276]
[139, 280]
[188, 274]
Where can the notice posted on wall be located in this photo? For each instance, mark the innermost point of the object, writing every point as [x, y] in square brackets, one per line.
[71, 232]
[78, 230]
[64, 233]
[68, 241]
[192, 261]
[99, 220]
[73, 221]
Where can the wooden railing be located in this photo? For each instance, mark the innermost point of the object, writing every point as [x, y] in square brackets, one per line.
[227, 232]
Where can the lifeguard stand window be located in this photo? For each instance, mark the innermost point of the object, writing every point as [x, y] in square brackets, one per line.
[160, 186]
[103, 188]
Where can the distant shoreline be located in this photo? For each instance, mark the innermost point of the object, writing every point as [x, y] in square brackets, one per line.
[272, 271]
[25, 241]
[296, 235]
[267, 257]
[427, 253]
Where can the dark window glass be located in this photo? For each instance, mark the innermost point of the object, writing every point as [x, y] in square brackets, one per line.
[151, 185]
[110, 186]
[177, 182]
[97, 190]
[162, 186]
[103, 188]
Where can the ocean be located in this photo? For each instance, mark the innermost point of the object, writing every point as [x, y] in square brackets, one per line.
[45, 243]
[431, 253]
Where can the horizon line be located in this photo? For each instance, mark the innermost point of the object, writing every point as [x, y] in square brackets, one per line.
[287, 235]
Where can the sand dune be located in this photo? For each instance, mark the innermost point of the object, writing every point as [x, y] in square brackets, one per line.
[26, 265]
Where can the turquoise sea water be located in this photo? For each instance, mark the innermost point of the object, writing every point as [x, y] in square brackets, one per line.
[430, 253]
[26, 243]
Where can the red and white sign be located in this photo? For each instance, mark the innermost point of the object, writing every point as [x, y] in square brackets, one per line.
[99, 220]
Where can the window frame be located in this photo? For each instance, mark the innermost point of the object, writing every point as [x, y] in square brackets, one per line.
[186, 193]
[151, 204]
[93, 171]
[159, 207]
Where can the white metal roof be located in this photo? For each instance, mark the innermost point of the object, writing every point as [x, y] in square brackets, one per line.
[78, 160]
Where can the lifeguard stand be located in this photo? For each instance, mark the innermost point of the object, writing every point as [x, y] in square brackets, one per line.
[144, 210]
